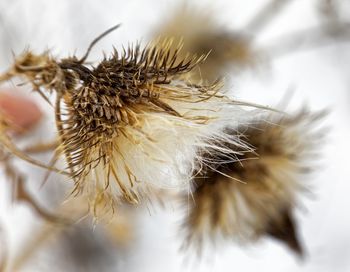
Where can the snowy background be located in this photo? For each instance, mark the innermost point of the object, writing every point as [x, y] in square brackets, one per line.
[319, 78]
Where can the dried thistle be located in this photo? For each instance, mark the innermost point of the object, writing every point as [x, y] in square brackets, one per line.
[127, 124]
[202, 35]
[256, 195]
[118, 232]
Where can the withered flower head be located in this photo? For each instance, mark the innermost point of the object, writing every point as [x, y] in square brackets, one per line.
[202, 34]
[256, 196]
[127, 124]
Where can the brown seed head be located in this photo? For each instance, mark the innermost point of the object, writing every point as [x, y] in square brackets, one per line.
[256, 195]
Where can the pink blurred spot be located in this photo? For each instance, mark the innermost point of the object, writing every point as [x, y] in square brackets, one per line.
[23, 112]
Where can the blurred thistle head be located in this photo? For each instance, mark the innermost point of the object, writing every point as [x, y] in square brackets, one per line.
[201, 34]
[256, 195]
[128, 124]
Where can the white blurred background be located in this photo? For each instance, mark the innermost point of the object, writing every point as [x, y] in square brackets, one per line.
[319, 78]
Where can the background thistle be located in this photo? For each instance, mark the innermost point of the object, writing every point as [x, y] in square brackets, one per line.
[256, 195]
[206, 36]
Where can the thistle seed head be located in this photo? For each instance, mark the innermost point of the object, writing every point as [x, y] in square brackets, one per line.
[206, 36]
[127, 124]
[256, 195]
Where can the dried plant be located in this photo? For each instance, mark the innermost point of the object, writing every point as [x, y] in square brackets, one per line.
[206, 36]
[256, 195]
[227, 48]
[154, 118]
[130, 111]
